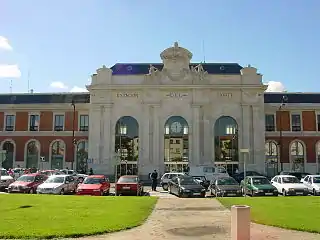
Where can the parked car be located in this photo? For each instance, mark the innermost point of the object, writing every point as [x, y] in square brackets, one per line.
[58, 184]
[79, 176]
[240, 176]
[165, 179]
[27, 183]
[211, 172]
[129, 185]
[96, 185]
[225, 187]
[312, 182]
[186, 186]
[289, 185]
[5, 180]
[299, 175]
[258, 186]
[202, 180]
[50, 172]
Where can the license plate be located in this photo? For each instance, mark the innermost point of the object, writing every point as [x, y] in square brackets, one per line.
[125, 187]
[197, 194]
[268, 194]
[231, 194]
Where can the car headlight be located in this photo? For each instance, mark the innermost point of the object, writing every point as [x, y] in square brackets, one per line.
[291, 189]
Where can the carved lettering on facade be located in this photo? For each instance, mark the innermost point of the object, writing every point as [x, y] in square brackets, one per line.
[127, 95]
[176, 95]
[226, 95]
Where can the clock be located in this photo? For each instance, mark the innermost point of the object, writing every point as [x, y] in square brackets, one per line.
[176, 127]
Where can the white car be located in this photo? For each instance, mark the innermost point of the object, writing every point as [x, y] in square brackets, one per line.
[166, 178]
[5, 180]
[58, 184]
[312, 182]
[289, 185]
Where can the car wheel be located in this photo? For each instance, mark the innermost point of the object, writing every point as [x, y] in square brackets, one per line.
[314, 192]
[165, 186]
[108, 192]
[284, 193]
[31, 191]
[62, 192]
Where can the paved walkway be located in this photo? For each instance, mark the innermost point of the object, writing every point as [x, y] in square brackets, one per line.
[200, 219]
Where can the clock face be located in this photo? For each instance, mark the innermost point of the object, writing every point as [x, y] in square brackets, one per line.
[176, 127]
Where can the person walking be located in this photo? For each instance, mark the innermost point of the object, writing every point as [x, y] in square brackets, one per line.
[154, 178]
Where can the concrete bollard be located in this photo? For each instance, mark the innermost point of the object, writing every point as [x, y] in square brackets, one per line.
[240, 222]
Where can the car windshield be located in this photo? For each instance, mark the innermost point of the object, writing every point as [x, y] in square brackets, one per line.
[128, 180]
[187, 181]
[227, 181]
[260, 181]
[93, 181]
[55, 180]
[290, 180]
[26, 179]
[4, 172]
[316, 179]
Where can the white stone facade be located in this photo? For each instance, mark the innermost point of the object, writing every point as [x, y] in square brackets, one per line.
[176, 90]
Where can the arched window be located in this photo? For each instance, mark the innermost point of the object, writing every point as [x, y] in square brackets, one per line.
[226, 151]
[8, 146]
[176, 144]
[82, 156]
[127, 145]
[33, 154]
[57, 154]
[272, 158]
[297, 156]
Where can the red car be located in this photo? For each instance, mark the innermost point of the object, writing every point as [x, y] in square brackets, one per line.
[27, 183]
[129, 185]
[95, 185]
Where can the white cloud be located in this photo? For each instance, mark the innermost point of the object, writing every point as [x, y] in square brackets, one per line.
[4, 44]
[9, 71]
[275, 87]
[58, 85]
[78, 89]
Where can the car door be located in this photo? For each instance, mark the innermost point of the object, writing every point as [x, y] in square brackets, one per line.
[309, 184]
[279, 184]
[274, 181]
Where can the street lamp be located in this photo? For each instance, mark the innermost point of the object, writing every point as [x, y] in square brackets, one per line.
[73, 130]
[284, 100]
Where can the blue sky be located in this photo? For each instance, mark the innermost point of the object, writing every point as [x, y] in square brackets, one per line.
[64, 42]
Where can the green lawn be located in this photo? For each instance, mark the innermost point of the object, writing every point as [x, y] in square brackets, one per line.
[46, 216]
[298, 213]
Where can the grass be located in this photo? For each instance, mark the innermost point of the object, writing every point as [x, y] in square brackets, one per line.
[46, 216]
[297, 213]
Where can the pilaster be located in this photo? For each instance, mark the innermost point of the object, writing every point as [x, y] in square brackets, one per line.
[245, 134]
[108, 150]
[195, 135]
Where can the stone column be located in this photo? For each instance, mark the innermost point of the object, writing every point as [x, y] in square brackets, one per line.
[157, 157]
[195, 135]
[258, 153]
[245, 134]
[108, 151]
[94, 132]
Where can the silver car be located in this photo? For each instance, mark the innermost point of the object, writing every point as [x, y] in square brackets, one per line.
[58, 184]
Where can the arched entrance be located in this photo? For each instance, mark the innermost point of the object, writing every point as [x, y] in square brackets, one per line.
[297, 156]
[82, 156]
[8, 146]
[226, 150]
[57, 154]
[272, 158]
[32, 154]
[127, 145]
[176, 145]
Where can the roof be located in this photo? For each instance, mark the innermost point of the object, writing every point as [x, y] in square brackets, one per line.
[143, 68]
[96, 176]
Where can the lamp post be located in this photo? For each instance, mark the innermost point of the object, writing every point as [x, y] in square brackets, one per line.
[284, 100]
[73, 130]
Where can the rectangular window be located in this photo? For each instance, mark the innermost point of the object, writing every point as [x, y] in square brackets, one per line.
[295, 122]
[10, 122]
[34, 120]
[318, 122]
[58, 122]
[177, 141]
[84, 123]
[270, 123]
